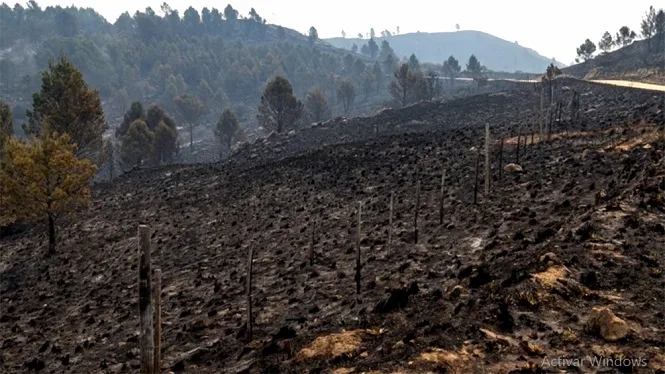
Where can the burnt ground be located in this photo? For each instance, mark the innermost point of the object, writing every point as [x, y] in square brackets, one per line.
[497, 287]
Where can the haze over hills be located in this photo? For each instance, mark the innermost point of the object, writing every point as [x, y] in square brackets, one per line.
[221, 57]
[493, 52]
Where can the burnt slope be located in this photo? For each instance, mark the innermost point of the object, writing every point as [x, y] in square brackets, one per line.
[77, 311]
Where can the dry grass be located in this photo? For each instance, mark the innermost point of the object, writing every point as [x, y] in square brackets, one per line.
[551, 276]
[638, 141]
[455, 362]
[343, 371]
[333, 345]
[651, 135]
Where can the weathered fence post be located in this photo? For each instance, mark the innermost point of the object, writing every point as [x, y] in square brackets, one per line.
[357, 277]
[487, 160]
[390, 223]
[415, 218]
[441, 196]
[157, 295]
[249, 291]
[146, 341]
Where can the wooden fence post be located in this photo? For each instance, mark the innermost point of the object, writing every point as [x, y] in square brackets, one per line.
[249, 291]
[441, 196]
[415, 218]
[146, 340]
[487, 160]
[157, 295]
[357, 277]
[390, 223]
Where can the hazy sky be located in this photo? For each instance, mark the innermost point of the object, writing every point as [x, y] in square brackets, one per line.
[553, 28]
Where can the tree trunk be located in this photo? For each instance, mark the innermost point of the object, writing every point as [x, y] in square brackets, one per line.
[51, 234]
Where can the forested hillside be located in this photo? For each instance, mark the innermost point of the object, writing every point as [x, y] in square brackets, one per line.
[220, 57]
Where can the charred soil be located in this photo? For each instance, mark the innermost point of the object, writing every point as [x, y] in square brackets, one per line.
[498, 286]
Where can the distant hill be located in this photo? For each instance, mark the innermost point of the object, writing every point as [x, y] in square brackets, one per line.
[495, 53]
[634, 62]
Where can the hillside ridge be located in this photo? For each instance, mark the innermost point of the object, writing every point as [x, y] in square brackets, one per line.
[495, 53]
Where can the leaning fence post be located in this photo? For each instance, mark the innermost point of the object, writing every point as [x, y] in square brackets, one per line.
[146, 341]
[157, 294]
[357, 277]
[249, 291]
